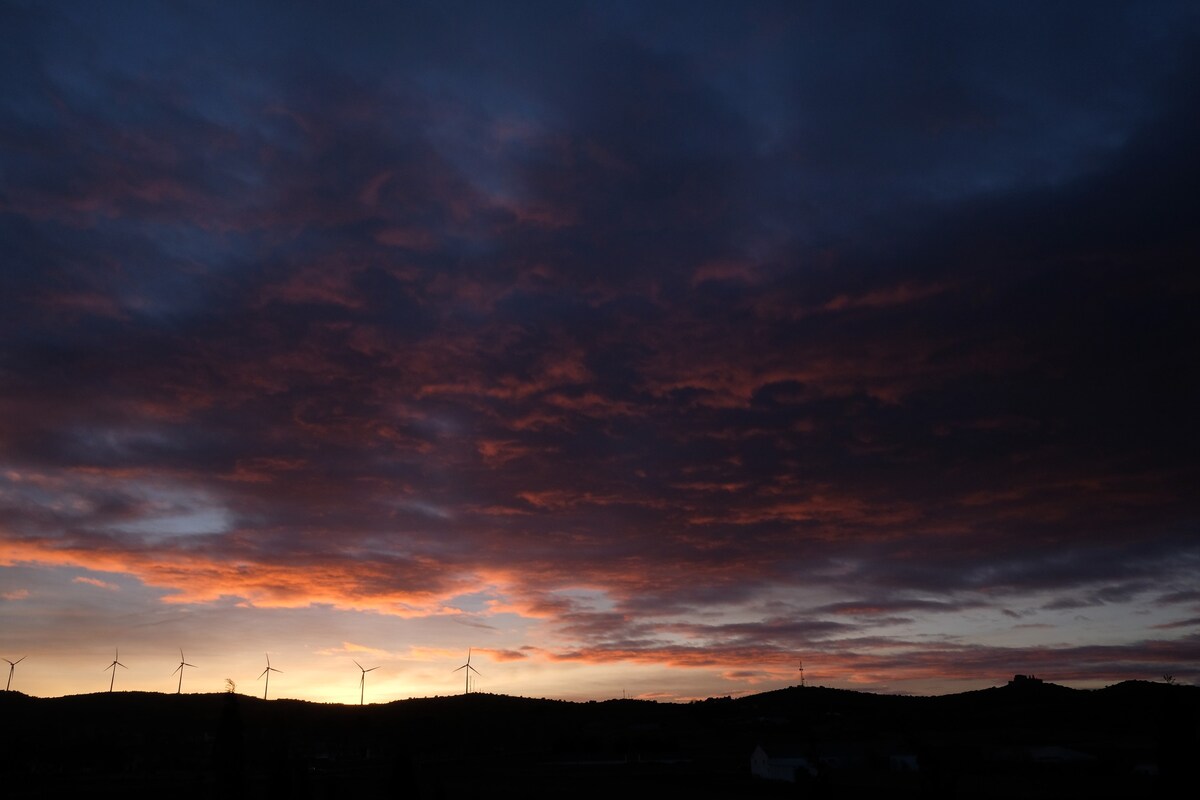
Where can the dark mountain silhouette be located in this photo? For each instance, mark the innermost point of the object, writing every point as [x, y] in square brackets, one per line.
[1026, 739]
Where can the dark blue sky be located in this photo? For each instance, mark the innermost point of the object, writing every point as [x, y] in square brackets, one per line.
[698, 335]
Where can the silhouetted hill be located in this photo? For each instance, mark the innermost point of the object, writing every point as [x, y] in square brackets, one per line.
[1027, 739]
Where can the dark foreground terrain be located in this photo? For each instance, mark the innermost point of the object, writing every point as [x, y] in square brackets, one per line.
[1026, 739]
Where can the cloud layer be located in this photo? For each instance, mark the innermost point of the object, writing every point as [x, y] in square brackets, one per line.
[714, 339]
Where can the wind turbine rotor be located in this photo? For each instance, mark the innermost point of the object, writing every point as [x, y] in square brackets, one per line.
[268, 672]
[469, 669]
[113, 666]
[12, 667]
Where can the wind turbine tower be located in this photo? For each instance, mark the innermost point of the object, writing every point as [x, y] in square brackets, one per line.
[113, 666]
[469, 669]
[12, 667]
[179, 669]
[802, 672]
[362, 682]
[268, 672]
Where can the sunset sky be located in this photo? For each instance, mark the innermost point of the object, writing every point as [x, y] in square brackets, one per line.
[645, 348]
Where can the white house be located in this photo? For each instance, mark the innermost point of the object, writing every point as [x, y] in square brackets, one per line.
[783, 766]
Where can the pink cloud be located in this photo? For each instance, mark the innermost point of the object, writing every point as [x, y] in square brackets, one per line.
[99, 584]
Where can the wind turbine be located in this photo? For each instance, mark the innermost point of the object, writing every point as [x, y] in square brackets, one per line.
[179, 669]
[362, 682]
[113, 666]
[469, 669]
[12, 667]
[268, 672]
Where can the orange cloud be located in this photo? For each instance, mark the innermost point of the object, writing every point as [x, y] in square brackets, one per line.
[885, 298]
[351, 649]
[97, 583]
[740, 271]
[194, 578]
[264, 469]
[502, 655]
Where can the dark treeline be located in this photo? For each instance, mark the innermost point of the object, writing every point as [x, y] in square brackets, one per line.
[1027, 739]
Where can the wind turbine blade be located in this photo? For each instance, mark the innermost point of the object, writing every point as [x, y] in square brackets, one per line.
[18, 661]
[464, 666]
[177, 669]
[193, 666]
[477, 672]
[264, 672]
[372, 669]
[357, 664]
